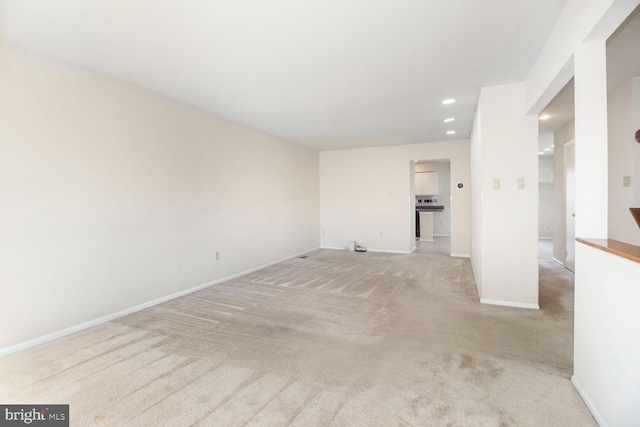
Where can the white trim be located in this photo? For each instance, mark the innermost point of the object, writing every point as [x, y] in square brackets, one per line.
[414, 248]
[77, 328]
[389, 251]
[592, 408]
[545, 238]
[558, 261]
[510, 303]
[442, 235]
[461, 255]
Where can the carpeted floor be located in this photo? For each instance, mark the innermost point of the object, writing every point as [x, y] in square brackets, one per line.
[337, 338]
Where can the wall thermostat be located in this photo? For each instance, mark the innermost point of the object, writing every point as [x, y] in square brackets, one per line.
[460, 185]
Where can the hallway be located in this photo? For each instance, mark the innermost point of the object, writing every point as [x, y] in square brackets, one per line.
[441, 245]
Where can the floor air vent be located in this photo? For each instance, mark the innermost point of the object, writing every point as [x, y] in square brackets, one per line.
[304, 256]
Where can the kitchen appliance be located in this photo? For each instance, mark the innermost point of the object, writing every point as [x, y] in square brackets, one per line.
[427, 203]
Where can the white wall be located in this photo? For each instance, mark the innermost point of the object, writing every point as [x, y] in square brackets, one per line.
[546, 205]
[365, 192]
[442, 220]
[505, 148]
[427, 167]
[607, 337]
[624, 152]
[477, 170]
[113, 196]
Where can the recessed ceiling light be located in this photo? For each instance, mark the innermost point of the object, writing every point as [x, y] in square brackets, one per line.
[451, 132]
[540, 153]
[448, 101]
[449, 120]
[552, 145]
[547, 149]
[545, 117]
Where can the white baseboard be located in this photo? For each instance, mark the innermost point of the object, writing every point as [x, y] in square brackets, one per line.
[442, 235]
[592, 408]
[545, 238]
[558, 261]
[334, 248]
[109, 317]
[510, 304]
[389, 251]
[461, 255]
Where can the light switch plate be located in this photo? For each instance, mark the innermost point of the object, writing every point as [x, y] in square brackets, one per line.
[626, 181]
[520, 183]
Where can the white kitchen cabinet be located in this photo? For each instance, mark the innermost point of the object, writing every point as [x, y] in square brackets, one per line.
[419, 184]
[426, 183]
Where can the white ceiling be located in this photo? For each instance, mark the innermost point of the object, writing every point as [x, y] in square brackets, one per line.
[561, 110]
[328, 74]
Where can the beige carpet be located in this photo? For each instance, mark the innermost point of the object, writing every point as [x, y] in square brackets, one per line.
[338, 338]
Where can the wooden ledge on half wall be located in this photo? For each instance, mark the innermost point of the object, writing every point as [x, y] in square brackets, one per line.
[615, 247]
[635, 213]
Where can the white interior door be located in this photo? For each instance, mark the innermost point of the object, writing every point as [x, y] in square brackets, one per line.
[570, 204]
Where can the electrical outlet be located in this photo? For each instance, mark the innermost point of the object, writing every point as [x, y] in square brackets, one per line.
[520, 183]
[381, 234]
[217, 255]
[496, 184]
[626, 181]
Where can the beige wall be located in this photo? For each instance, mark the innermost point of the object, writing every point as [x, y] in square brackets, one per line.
[368, 192]
[113, 196]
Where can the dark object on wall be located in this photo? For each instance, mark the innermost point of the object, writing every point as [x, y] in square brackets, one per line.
[460, 185]
[638, 135]
[635, 212]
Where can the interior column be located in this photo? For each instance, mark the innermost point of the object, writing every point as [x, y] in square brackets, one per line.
[591, 140]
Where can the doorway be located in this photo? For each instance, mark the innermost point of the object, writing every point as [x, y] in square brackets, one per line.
[432, 200]
[556, 128]
[570, 205]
